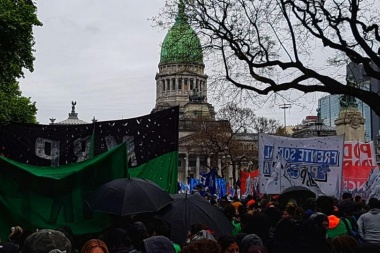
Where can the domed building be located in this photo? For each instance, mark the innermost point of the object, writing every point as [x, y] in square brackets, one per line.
[181, 81]
[71, 120]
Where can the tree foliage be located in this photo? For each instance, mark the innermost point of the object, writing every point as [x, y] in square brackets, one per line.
[230, 138]
[241, 119]
[17, 18]
[265, 125]
[14, 107]
[271, 46]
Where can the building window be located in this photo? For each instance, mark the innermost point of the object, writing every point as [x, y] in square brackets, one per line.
[191, 84]
[196, 84]
[200, 85]
[163, 85]
[167, 84]
[185, 84]
[180, 84]
[173, 83]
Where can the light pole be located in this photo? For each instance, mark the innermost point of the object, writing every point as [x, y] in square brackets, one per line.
[284, 107]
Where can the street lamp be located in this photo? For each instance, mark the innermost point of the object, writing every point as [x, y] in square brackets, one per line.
[318, 127]
[284, 107]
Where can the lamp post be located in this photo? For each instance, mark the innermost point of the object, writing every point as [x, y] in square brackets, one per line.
[284, 107]
[318, 127]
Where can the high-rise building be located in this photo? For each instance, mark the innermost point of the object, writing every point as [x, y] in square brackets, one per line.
[330, 105]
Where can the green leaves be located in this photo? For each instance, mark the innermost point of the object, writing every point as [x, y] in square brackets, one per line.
[17, 18]
[14, 107]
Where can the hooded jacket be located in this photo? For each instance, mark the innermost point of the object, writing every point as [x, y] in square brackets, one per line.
[369, 226]
[337, 226]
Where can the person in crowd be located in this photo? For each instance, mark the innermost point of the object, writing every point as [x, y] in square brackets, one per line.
[315, 232]
[257, 249]
[251, 206]
[230, 213]
[158, 244]
[17, 235]
[338, 226]
[47, 241]
[369, 223]
[299, 214]
[344, 244]
[239, 237]
[196, 230]
[347, 195]
[310, 206]
[328, 206]
[203, 234]
[94, 246]
[117, 241]
[287, 236]
[137, 232]
[257, 223]
[223, 202]
[288, 213]
[228, 244]
[249, 241]
[201, 246]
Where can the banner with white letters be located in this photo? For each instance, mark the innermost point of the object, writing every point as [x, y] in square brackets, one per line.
[314, 163]
[358, 161]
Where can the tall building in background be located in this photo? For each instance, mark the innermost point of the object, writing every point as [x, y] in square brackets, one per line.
[329, 105]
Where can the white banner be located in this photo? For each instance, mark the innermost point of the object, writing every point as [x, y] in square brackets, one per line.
[314, 163]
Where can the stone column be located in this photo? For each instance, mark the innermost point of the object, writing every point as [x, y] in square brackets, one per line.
[186, 166]
[350, 122]
[219, 166]
[197, 166]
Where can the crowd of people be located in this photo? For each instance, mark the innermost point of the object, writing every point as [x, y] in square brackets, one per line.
[261, 225]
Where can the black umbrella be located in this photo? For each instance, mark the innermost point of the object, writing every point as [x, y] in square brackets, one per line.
[298, 193]
[193, 209]
[126, 196]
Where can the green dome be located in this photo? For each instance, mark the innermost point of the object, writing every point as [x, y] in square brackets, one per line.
[181, 44]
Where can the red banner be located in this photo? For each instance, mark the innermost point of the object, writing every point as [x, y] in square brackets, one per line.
[354, 179]
[244, 175]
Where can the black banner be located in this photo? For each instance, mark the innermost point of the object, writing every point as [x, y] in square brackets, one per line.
[147, 137]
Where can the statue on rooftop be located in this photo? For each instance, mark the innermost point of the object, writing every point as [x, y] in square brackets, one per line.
[73, 103]
[197, 96]
[346, 101]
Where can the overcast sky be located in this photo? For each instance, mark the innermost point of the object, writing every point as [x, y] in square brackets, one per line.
[104, 55]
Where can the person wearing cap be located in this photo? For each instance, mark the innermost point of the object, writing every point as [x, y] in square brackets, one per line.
[251, 206]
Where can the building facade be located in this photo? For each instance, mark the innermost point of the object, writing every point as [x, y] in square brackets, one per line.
[181, 81]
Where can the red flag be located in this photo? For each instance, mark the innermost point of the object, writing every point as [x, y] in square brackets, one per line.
[243, 179]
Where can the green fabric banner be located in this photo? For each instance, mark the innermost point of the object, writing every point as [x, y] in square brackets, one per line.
[48, 197]
[52, 197]
[162, 170]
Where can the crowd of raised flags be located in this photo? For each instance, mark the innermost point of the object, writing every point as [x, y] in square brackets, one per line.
[209, 183]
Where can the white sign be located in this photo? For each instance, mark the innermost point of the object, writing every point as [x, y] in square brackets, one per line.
[314, 163]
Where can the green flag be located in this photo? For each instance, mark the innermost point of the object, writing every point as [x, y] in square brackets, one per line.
[51, 197]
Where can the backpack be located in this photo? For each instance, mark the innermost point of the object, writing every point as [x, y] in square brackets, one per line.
[354, 233]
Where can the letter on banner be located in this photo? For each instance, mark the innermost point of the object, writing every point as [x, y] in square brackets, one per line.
[82, 148]
[42, 145]
[111, 142]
